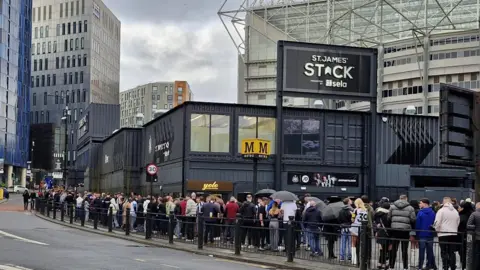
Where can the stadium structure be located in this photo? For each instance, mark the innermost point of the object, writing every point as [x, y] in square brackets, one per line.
[421, 44]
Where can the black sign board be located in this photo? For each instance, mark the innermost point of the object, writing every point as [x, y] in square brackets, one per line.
[327, 69]
[162, 151]
[324, 180]
[152, 178]
[456, 125]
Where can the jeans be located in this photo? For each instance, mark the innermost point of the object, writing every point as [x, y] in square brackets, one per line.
[132, 222]
[314, 240]
[345, 244]
[178, 228]
[426, 245]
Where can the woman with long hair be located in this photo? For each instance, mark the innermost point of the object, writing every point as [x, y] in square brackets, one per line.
[359, 215]
[274, 225]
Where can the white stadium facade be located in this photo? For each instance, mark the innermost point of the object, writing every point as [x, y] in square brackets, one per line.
[421, 44]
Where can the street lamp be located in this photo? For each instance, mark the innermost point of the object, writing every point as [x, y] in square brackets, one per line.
[65, 154]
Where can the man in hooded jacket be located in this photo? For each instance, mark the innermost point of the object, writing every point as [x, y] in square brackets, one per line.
[423, 226]
[446, 225]
[402, 219]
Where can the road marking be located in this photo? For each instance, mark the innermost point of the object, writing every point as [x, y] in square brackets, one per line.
[139, 260]
[249, 264]
[12, 267]
[22, 239]
[171, 266]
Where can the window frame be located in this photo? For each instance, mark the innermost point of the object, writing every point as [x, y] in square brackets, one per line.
[230, 122]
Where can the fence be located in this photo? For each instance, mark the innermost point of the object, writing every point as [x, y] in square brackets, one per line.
[360, 248]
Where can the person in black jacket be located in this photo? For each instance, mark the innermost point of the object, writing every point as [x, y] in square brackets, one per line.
[312, 220]
[381, 232]
[465, 209]
[210, 213]
[248, 213]
[345, 220]
[26, 196]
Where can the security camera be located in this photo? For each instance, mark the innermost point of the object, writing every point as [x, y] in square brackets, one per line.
[384, 119]
[319, 104]
[410, 110]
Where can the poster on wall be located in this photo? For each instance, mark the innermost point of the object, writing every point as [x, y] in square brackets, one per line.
[323, 179]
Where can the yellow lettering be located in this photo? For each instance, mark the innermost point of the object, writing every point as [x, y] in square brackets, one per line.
[212, 186]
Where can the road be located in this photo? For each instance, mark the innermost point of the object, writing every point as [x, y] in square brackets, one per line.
[15, 203]
[32, 243]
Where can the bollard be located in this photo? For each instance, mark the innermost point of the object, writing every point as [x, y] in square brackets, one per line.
[470, 262]
[363, 260]
[82, 216]
[48, 209]
[171, 228]
[127, 221]
[96, 213]
[201, 231]
[70, 212]
[290, 241]
[237, 234]
[110, 219]
[54, 210]
[37, 206]
[148, 225]
[62, 212]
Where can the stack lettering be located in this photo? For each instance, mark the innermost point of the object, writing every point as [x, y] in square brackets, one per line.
[335, 67]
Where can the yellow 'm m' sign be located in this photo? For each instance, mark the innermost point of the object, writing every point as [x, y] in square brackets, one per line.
[255, 148]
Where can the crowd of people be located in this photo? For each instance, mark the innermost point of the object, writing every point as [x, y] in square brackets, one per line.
[392, 225]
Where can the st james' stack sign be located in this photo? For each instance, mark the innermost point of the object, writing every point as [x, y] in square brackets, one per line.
[327, 69]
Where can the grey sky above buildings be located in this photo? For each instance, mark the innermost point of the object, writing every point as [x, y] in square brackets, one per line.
[166, 40]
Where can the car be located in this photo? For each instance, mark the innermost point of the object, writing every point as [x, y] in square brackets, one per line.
[19, 189]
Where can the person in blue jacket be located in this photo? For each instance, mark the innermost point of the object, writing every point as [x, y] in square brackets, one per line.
[423, 226]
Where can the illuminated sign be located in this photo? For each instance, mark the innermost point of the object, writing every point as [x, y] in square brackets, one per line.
[255, 148]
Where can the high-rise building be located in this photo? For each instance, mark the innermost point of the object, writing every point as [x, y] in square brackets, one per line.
[421, 44]
[75, 61]
[15, 90]
[151, 98]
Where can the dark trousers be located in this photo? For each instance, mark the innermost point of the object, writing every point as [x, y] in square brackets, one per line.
[210, 229]
[248, 230]
[399, 238]
[426, 246]
[190, 227]
[447, 251]
[260, 235]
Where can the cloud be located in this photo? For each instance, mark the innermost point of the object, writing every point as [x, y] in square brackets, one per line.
[163, 49]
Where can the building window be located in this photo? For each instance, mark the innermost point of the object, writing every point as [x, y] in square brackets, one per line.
[37, 81]
[49, 14]
[80, 27]
[85, 26]
[59, 27]
[76, 44]
[79, 59]
[78, 96]
[47, 117]
[41, 31]
[46, 63]
[68, 61]
[32, 82]
[302, 137]
[48, 80]
[54, 46]
[61, 97]
[84, 98]
[35, 65]
[56, 97]
[180, 90]
[34, 99]
[44, 47]
[68, 28]
[76, 77]
[65, 78]
[61, 10]
[71, 44]
[74, 27]
[38, 48]
[67, 97]
[256, 127]
[36, 32]
[43, 80]
[63, 29]
[70, 78]
[54, 79]
[49, 47]
[210, 133]
[44, 98]
[81, 76]
[46, 31]
[73, 61]
[84, 60]
[73, 97]
[82, 42]
[63, 61]
[65, 47]
[36, 117]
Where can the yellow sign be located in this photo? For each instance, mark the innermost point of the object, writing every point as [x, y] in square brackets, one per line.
[212, 186]
[255, 148]
[1, 193]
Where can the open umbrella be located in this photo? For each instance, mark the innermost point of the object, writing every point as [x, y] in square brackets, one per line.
[284, 196]
[315, 199]
[266, 192]
[320, 205]
[332, 211]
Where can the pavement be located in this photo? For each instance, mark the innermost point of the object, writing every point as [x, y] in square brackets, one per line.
[14, 204]
[28, 242]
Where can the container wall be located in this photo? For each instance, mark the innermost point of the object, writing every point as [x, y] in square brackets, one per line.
[133, 149]
[104, 119]
[408, 140]
[393, 175]
[113, 152]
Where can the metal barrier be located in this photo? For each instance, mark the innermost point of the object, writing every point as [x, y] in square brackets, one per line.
[328, 243]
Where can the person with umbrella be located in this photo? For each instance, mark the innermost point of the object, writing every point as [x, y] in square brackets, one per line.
[312, 220]
[330, 216]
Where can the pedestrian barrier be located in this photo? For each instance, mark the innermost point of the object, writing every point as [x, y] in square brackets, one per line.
[327, 243]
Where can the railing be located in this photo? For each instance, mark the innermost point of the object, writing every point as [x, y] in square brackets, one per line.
[327, 243]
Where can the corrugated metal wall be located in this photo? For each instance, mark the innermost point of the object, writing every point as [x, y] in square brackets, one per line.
[104, 119]
[408, 140]
[133, 149]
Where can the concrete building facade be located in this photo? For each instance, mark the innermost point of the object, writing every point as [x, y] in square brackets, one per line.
[75, 61]
[16, 28]
[411, 37]
[148, 99]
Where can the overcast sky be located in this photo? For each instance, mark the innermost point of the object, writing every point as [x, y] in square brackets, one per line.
[167, 40]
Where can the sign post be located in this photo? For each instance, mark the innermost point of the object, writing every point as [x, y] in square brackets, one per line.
[152, 171]
[255, 149]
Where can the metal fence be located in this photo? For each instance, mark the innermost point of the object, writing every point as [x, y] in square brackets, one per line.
[364, 248]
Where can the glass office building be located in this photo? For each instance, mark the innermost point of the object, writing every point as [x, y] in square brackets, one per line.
[15, 45]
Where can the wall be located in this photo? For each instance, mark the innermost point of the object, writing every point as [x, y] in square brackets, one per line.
[408, 140]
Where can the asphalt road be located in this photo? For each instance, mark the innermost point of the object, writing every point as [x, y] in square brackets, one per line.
[29, 242]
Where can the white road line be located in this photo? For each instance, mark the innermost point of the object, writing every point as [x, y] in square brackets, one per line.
[12, 267]
[22, 239]
[139, 260]
[171, 266]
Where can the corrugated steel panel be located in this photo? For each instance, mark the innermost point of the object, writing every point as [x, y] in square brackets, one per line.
[408, 140]
[393, 175]
[133, 149]
[104, 119]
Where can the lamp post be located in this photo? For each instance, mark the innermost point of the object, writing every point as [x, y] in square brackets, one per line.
[65, 154]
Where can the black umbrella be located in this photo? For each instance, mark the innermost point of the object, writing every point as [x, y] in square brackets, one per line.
[332, 211]
[266, 192]
[284, 196]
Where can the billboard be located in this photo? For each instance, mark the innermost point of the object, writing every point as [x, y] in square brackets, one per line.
[457, 125]
[320, 179]
[327, 69]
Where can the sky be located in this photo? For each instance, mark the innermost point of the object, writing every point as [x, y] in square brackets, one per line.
[168, 40]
